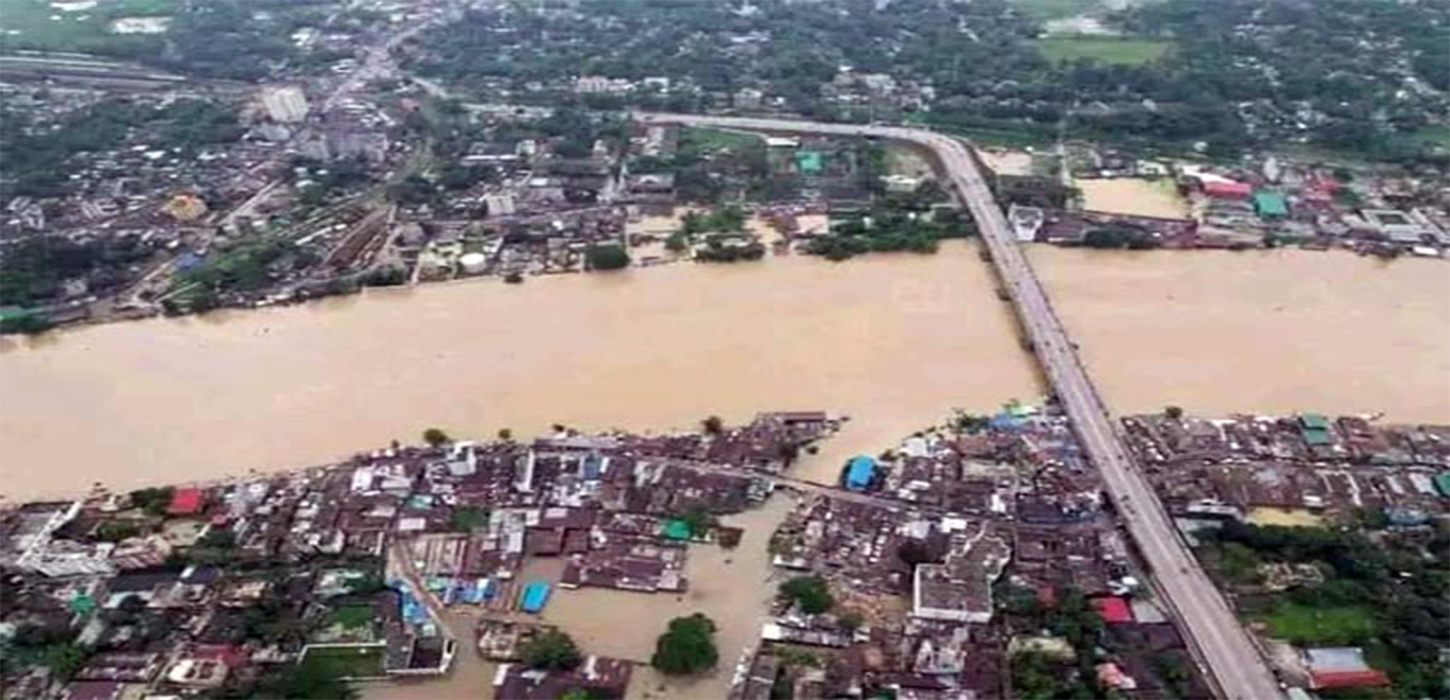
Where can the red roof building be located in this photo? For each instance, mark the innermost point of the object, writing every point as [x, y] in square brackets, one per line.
[1369, 678]
[1227, 189]
[184, 502]
[1113, 609]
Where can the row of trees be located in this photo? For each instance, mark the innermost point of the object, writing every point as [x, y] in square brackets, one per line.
[686, 647]
[33, 270]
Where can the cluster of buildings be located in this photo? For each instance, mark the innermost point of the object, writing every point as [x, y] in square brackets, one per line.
[926, 547]
[1325, 477]
[1298, 470]
[354, 566]
[1274, 202]
[190, 169]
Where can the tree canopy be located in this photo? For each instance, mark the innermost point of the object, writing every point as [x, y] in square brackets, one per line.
[606, 257]
[688, 646]
[811, 593]
[552, 650]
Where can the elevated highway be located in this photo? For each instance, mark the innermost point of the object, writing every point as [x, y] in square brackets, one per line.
[1220, 643]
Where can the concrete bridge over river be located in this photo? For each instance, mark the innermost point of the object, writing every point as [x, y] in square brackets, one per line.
[1232, 660]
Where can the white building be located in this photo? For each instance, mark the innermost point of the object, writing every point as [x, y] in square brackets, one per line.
[960, 590]
[66, 558]
[285, 104]
[499, 204]
[596, 84]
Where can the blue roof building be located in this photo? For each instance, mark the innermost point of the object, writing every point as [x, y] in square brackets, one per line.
[859, 472]
[534, 596]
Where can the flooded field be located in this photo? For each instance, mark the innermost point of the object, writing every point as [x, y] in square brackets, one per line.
[1007, 161]
[1133, 196]
[1267, 331]
[894, 341]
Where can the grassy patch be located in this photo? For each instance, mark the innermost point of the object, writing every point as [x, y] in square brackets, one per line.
[986, 132]
[347, 662]
[712, 140]
[468, 518]
[1103, 50]
[1329, 625]
[1430, 137]
[352, 616]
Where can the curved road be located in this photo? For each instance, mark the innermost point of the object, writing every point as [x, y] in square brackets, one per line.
[1206, 620]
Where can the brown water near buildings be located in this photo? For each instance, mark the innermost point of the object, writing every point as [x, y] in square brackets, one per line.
[893, 341]
[734, 587]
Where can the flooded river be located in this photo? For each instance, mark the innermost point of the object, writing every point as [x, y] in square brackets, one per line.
[1268, 331]
[893, 341]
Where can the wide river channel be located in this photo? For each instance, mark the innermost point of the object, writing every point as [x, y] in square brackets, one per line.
[893, 341]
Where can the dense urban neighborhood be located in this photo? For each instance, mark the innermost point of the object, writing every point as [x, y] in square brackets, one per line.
[977, 558]
[338, 149]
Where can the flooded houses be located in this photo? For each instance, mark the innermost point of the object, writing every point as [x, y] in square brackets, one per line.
[356, 570]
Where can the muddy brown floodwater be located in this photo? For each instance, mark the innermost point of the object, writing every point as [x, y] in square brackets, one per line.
[893, 341]
[1266, 331]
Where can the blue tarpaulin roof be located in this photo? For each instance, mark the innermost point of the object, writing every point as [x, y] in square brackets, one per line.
[859, 472]
[534, 596]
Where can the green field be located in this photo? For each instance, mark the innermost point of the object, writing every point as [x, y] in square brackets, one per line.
[1329, 625]
[347, 662]
[352, 616]
[712, 140]
[1432, 136]
[1102, 49]
[37, 24]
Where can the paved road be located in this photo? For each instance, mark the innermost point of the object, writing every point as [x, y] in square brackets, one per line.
[1206, 619]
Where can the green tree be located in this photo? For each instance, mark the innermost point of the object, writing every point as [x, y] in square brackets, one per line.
[116, 530]
[551, 651]
[698, 520]
[713, 425]
[467, 518]
[688, 646]
[151, 500]
[435, 437]
[64, 660]
[308, 682]
[606, 257]
[811, 593]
